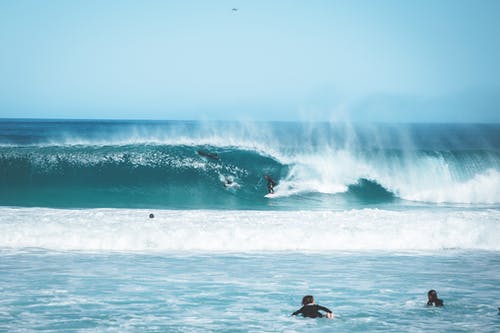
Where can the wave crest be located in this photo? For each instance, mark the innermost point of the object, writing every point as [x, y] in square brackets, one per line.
[143, 175]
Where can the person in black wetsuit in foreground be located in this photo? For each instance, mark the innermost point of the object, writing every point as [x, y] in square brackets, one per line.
[312, 310]
[433, 298]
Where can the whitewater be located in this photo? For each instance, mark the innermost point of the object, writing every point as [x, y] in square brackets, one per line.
[366, 217]
[248, 231]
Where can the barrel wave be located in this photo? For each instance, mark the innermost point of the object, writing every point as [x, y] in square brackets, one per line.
[199, 166]
[131, 176]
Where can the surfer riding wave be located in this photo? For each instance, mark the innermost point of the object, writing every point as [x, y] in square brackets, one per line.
[270, 184]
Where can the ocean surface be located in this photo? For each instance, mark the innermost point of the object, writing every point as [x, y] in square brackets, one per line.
[365, 217]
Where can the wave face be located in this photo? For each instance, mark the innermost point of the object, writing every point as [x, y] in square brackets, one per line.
[90, 164]
[247, 231]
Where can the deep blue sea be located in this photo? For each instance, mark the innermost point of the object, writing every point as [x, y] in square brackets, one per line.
[365, 217]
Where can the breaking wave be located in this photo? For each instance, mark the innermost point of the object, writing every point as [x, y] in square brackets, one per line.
[187, 165]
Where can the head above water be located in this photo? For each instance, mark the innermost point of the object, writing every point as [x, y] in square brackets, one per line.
[151, 215]
[432, 294]
[308, 299]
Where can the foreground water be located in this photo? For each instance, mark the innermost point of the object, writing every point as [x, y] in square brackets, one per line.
[171, 292]
[116, 270]
[365, 218]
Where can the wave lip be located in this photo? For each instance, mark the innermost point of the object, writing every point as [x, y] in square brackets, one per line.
[249, 231]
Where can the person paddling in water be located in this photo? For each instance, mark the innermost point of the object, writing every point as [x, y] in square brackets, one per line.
[433, 299]
[312, 310]
[270, 184]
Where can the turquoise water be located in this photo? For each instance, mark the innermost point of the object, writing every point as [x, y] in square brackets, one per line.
[367, 218]
[199, 292]
[88, 164]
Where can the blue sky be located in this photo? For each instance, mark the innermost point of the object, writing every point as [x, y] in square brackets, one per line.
[270, 60]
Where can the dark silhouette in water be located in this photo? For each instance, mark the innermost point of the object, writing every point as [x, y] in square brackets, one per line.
[270, 184]
[433, 299]
[151, 216]
[207, 154]
[311, 310]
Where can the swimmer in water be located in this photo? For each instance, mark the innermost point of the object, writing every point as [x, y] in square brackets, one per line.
[312, 310]
[433, 299]
[229, 182]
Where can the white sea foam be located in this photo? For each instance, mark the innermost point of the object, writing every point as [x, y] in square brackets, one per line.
[431, 179]
[248, 231]
[482, 188]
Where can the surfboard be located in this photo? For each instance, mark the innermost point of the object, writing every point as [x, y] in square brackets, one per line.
[270, 195]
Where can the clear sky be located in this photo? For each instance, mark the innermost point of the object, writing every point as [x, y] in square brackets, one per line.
[425, 60]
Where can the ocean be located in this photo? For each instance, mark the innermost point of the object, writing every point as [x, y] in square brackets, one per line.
[365, 217]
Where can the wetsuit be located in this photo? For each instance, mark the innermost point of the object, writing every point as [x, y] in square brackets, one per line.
[437, 302]
[209, 155]
[270, 184]
[311, 311]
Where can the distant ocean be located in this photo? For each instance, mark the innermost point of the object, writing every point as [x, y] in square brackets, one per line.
[367, 218]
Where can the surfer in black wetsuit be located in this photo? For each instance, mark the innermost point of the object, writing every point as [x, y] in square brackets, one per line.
[312, 310]
[433, 299]
[270, 184]
[207, 154]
